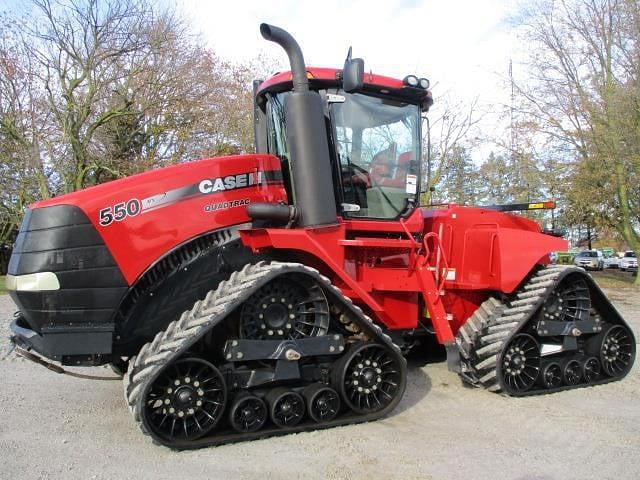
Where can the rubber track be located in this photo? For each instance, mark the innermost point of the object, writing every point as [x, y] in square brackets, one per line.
[193, 325]
[484, 336]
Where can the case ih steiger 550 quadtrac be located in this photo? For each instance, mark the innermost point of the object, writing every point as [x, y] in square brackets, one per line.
[276, 292]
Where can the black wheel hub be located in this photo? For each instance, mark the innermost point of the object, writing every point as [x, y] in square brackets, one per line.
[551, 376]
[285, 308]
[323, 402]
[186, 401]
[591, 369]
[569, 302]
[287, 408]
[248, 413]
[572, 372]
[616, 351]
[369, 378]
[520, 363]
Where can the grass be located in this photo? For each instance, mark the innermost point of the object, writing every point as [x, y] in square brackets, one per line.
[614, 279]
[3, 288]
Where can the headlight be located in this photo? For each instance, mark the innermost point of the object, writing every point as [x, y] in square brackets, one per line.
[424, 83]
[411, 80]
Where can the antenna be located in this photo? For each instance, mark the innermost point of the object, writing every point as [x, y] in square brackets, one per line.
[348, 54]
[511, 110]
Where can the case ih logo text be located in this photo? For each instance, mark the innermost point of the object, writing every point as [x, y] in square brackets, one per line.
[230, 182]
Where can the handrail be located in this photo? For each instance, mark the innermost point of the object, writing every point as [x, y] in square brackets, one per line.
[437, 244]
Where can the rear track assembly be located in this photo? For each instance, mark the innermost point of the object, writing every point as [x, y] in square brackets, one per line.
[558, 331]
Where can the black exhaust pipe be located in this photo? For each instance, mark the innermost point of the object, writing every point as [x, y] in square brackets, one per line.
[291, 47]
[313, 190]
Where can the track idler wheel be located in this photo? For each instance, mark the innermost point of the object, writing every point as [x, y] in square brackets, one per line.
[186, 401]
[248, 413]
[368, 377]
[323, 402]
[286, 407]
[572, 372]
[551, 375]
[616, 350]
[520, 363]
[591, 369]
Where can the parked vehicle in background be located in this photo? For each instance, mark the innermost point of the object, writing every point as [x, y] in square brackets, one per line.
[589, 260]
[608, 252]
[564, 258]
[629, 262]
[612, 261]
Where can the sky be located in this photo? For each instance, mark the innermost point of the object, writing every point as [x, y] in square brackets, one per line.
[462, 46]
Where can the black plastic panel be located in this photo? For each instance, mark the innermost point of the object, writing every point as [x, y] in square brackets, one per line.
[56, 216]
[61, 239]
[69, 236]
[80, 258]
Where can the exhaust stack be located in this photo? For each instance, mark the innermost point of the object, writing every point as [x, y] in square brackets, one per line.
[307, 139]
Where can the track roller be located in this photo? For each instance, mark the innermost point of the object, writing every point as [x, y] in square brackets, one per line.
[550, 375]
[323, 402]
[572, 372]
[591, 369]
[248, 413]
[286, 407]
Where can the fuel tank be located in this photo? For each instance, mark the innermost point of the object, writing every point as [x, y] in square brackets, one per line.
[486, 249]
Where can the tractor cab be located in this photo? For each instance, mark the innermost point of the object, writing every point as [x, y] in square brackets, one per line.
[373, 134]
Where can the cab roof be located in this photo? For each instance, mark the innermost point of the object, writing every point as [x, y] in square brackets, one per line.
[332, 77]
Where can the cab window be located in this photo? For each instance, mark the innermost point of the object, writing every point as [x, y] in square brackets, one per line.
[378, 146]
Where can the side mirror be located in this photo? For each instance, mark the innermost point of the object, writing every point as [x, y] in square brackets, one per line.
[353, 74]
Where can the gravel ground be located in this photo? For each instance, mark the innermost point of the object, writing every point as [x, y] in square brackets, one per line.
[55, 426]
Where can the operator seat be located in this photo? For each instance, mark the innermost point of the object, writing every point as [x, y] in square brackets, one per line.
[386, 197]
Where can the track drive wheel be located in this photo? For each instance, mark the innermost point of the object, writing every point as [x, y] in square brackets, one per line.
[285, 308]
[368, 377]
[323, 402]
[569, 302]
[186, 401]
[286, 407]
[248, 413]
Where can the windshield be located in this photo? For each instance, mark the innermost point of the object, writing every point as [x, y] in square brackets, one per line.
[378, 146]
[588, 254]
[630, 254]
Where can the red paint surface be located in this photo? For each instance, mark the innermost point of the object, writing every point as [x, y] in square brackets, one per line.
[137, 242]
[329, 74]
[374, 262]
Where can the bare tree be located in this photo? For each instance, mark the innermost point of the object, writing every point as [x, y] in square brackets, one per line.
[21, 138]
[584, 92]
[452, 127]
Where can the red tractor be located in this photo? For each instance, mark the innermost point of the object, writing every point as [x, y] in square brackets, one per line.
[256, 295]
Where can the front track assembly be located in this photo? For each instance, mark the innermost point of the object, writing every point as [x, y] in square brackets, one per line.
[557, 331]
[217, 375]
